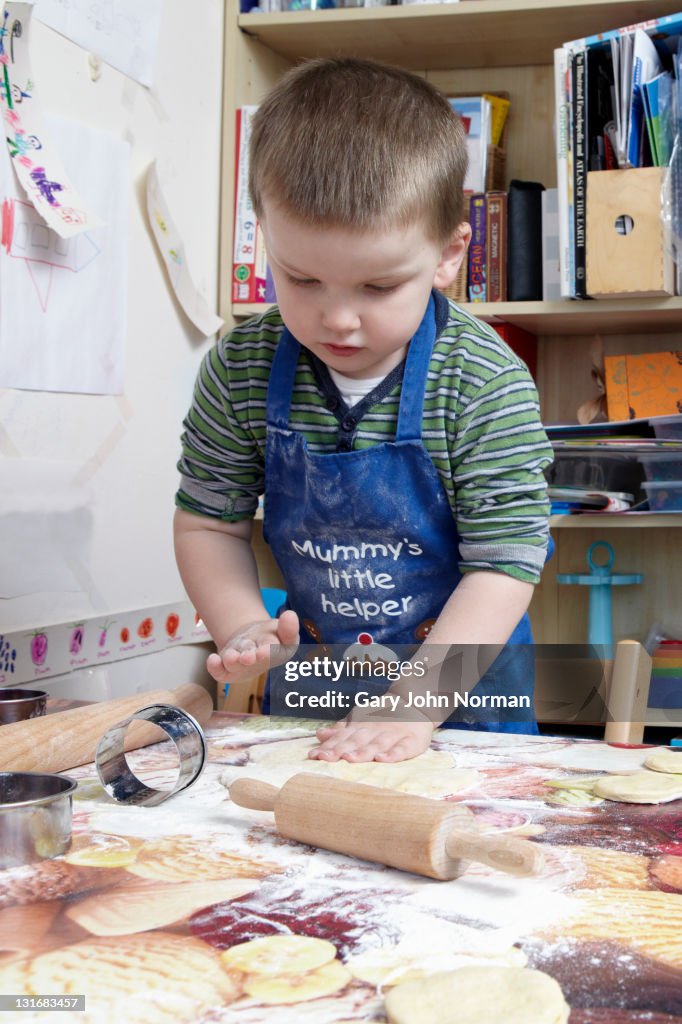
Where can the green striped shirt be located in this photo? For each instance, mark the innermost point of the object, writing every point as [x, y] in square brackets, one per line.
[481, 428]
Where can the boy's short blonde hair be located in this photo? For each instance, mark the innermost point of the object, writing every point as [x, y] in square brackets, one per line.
[355, 143]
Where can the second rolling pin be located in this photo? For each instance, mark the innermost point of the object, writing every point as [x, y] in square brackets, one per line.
[413, 833]
[57, 742]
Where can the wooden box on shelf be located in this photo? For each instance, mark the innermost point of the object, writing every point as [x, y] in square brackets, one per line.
[628, 253]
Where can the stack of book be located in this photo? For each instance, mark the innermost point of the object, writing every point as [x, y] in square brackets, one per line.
[618, 98]
[487, 272]
[506, 253]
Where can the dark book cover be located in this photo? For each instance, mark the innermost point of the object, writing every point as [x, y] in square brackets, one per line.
[524, 241]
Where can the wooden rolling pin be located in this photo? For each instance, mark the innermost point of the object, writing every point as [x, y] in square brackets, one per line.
[412, 833]
[57, 742]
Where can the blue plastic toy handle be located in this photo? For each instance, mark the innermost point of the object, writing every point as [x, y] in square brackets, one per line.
[600, 581]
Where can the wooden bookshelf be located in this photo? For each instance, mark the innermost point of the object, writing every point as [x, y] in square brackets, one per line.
[565, 317]
[497, 45]
[468, 34]
[613, 521]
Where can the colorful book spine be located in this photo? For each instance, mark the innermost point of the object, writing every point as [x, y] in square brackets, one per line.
[477, 248]
[666, 27]
[249, 264]
[496, 246]
[499, 109]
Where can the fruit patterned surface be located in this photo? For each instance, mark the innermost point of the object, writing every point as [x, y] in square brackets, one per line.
[196, 910]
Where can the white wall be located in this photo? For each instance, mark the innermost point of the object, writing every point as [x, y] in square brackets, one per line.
[126, 447]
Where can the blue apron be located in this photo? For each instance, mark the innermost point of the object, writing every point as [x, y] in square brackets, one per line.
[366, 540]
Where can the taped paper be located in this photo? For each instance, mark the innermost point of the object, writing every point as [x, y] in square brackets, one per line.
[172, 249]
[124, 33]
[34, 157]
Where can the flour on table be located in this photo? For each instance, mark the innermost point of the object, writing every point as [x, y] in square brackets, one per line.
[432, 773]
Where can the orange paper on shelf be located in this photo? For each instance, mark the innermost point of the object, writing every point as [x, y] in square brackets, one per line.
[648, 384]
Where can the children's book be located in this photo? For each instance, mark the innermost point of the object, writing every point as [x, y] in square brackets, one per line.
[475, 112]
[496, 246]
[477, 248]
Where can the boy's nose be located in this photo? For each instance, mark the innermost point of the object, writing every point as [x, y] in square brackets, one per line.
[340, 320]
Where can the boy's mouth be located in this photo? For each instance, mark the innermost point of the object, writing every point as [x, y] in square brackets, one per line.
[342, 350]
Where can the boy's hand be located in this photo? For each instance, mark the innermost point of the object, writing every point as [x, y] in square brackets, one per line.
[372, 741]
[248, 653]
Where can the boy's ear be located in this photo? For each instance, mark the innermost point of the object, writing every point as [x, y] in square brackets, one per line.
[451, 258]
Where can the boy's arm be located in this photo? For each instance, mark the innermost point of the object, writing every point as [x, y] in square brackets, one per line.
[218, 570]
[483, 609]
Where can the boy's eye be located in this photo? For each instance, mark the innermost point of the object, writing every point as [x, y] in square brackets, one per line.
[381, 289]
[302, 280]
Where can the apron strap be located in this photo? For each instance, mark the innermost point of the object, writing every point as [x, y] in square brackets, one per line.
[412, 395]
[413, 391]
[281, 383]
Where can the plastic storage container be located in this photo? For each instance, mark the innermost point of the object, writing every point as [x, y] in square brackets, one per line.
[667, 426]
[664, 495]
[604, 471]
[660, 466]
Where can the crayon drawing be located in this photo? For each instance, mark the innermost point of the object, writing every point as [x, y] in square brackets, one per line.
[36, 160]
[26, 237]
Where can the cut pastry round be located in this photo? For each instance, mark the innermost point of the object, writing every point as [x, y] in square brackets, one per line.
[279, 954]
[665, 760]
[470, 995]
[640, 788]
[297, 988]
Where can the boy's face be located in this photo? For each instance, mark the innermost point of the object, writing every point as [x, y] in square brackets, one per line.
[355, 298]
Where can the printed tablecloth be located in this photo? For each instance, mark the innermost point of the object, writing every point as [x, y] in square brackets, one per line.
[140, 913]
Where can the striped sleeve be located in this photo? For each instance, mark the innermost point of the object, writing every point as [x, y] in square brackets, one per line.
[221, 463]
[501, 453]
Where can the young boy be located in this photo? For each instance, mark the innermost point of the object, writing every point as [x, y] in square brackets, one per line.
[396, 438]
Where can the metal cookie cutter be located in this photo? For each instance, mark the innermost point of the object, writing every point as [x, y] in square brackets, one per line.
[115, 773]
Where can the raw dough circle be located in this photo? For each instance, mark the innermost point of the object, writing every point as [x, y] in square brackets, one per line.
[429, 774]
[640, 788]
[666, 760]
[471, 995]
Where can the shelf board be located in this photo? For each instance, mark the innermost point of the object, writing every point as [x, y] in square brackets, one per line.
[611, 521]
[608, 316]
[471, 33]
[664, 716]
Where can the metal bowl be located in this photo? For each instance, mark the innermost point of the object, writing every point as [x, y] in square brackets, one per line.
[17, 704]
[35, 816]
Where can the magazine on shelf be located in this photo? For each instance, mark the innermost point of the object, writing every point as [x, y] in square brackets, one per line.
[578, 499]
[657, 97]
